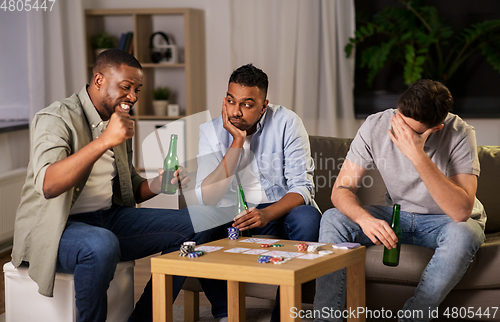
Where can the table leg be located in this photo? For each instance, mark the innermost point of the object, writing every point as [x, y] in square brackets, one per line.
[162, 298]
[355, 288]
[236, 301]
[290, 302]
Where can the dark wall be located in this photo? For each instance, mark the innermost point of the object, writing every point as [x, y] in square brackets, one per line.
[475, 86]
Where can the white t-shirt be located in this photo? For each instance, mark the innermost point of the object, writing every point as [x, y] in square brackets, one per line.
[98, 191]
[254, 193]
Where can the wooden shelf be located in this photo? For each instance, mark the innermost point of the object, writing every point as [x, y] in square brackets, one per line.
[186, 79]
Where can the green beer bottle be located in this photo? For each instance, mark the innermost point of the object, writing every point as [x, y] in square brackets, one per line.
[391, 256]
[170, 164]
[241, 206]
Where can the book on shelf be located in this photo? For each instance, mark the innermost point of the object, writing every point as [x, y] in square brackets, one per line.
[128, 41]
[123, 38]
[131, 45]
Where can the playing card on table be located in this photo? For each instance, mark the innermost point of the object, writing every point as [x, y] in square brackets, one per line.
[255, 251]
[346, 245]
[310, 256]
[284, 254]
[316, 244]
[237, 250]
[313, 243]
[259, 240]
[209, 249]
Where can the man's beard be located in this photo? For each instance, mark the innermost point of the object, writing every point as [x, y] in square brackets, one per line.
[241, 125]
[107, 104]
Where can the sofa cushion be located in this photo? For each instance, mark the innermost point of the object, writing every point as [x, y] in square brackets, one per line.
[487, 185]
[329, 155]
[412, 262]
[481, 274]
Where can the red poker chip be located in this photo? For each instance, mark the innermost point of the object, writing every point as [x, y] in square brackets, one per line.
[265, 245]
[302, 247]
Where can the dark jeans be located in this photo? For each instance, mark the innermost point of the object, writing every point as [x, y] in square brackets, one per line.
[93, 243]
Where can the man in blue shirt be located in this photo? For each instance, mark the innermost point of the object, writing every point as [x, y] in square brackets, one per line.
[266, 148]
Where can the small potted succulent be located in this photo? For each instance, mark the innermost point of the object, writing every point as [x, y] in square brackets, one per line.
[102, 41]
[160, 100]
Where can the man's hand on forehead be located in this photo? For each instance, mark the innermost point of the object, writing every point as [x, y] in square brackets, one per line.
[408, 141]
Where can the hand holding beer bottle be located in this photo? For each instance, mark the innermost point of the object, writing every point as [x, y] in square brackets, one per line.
[170, 165]
[391, 256]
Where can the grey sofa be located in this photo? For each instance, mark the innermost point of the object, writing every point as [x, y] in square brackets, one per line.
[390, 287]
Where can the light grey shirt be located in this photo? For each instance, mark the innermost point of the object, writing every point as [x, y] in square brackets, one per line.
[452, 149]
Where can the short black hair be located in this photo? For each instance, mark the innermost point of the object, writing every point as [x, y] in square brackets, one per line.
[250, 76]
[427, 102]
[114, 58]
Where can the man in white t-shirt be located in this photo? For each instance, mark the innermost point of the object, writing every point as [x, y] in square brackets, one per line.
[428, 160]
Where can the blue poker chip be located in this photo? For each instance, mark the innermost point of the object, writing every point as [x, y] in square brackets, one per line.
[263, 260]
[232, 233]
[193, 255]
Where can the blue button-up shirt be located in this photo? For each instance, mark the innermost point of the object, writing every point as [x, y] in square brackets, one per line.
[281, 149]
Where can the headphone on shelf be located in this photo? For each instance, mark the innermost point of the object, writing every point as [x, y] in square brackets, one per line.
[163, 52]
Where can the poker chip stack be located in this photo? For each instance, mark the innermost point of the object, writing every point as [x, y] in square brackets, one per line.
[186, 248]
[264, 259]
[232, 233]
[312, 248]
[275, 260]
[302, 247]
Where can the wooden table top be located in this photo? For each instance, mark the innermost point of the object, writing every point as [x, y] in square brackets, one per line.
[245, 268]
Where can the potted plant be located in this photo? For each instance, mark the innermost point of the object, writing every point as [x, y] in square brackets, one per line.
[160, 100]
[102, 41]
[415, 37]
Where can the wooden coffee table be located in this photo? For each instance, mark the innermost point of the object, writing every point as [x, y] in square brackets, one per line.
[239, 268]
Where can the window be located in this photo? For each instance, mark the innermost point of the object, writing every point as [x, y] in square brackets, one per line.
[14, 86]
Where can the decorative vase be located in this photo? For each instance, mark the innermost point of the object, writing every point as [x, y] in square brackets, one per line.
[160, 108]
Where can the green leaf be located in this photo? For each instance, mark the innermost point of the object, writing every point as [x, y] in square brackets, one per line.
[348, 50]
[375, 58]
[491, 52]
[476, 30]
[413, 67]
